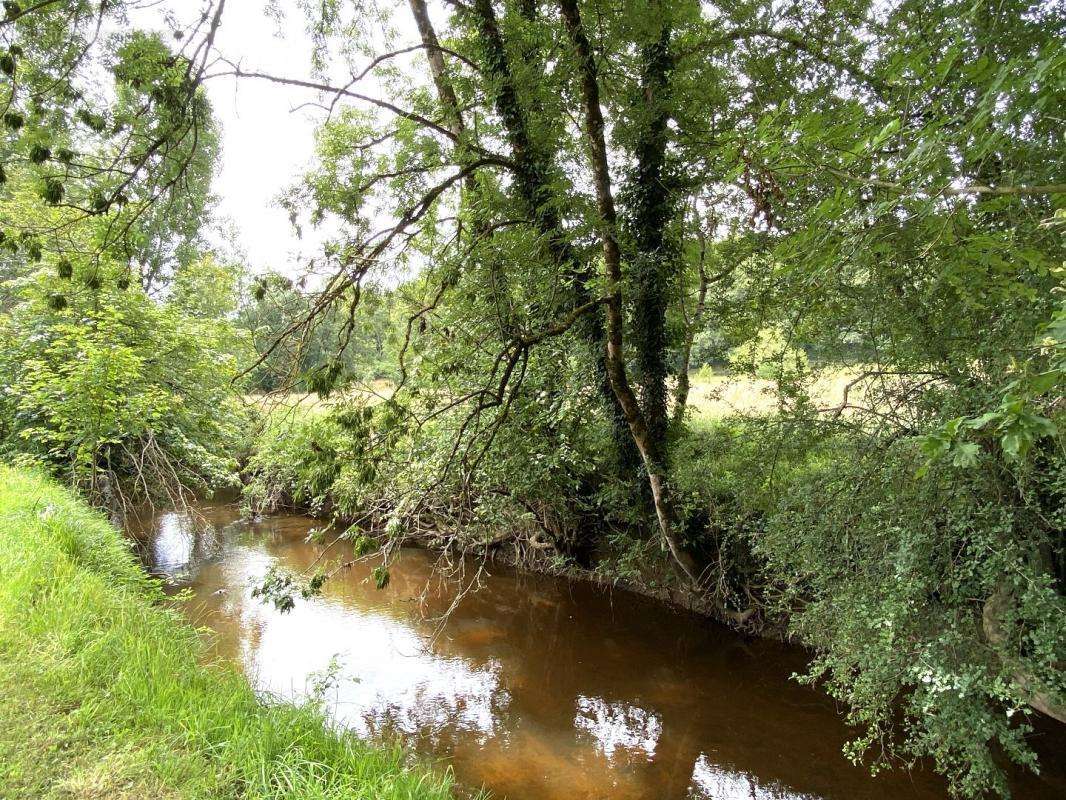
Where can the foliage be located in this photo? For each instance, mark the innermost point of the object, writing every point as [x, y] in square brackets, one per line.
[276, 305]
[106, 126]
[360, 461]
[770, 355]
[117, 356]
[889, 575]
[124, 396]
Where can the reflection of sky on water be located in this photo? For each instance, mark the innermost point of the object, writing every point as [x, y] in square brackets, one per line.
[171, 549]
[181, 544]
[714, 782]
[618, 726]
[529, 689]
[388, 679]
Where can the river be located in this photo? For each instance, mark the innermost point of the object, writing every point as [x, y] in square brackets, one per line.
[535, 688]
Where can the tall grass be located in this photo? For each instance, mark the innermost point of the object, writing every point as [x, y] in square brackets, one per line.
[103, 693]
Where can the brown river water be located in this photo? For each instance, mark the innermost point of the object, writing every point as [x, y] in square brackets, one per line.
[535, 688]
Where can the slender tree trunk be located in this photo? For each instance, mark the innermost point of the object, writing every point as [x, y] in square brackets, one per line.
[692, 327]
[437, 67]
[498, 283]
[612, 259]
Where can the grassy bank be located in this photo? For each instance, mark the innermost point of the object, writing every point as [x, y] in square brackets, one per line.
[104, 695]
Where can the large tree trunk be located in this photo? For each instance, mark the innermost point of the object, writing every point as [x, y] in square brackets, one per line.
[652, 208]
[612, 259]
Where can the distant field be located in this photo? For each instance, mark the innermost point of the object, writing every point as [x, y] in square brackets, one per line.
[710, 397]
[722, 395]
[310, 403]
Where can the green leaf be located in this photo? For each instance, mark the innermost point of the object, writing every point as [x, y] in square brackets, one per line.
[1046, 381]
[1015, 443]
[976, 423]
[965, 454]
[381, 577]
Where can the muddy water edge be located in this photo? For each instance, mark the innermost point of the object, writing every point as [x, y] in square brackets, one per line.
[535, 687]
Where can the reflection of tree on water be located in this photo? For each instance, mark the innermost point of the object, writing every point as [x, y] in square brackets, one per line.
[181, 543]
[583, 696]
[647, 703]
[537, 687]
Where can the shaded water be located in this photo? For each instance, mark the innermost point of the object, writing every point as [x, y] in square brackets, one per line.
[536, 688]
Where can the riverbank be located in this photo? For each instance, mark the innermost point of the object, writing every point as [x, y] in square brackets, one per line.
[586, 526]
[833, 535]
[104, 692]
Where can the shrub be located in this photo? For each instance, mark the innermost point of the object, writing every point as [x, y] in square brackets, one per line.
[124, 396]
[927, 592]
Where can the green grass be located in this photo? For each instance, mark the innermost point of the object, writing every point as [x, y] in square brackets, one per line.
[104, 693]
[712, 395]
[309, 403]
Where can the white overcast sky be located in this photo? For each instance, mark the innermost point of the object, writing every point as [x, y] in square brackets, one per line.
[265, 142]
[267, 139]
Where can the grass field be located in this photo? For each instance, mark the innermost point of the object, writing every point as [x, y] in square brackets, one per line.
[103, 694]
[307, 402]
[711, 396]
[720, 395]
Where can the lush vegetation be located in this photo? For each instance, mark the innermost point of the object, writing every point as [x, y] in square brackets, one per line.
[128, 397]
[285, 362]
[115, 348]
[106, 696]
[547, 217]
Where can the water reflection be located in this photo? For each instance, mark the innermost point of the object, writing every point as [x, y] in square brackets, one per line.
[619, 728]
[388, 680]
[712, 782]
[536, 688]
[180, 542]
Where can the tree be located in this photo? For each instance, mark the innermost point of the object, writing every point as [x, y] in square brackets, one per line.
[570, 192]
[137, 153]
[868, 183]
[103, 189]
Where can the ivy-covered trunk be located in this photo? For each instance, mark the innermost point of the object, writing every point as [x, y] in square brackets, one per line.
[639, 429]
[652, 208]
[533, 170]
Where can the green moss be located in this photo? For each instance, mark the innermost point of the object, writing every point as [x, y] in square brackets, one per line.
[106, 694]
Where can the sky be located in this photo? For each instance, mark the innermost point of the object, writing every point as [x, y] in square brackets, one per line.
[267, 137]
[266, 144]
